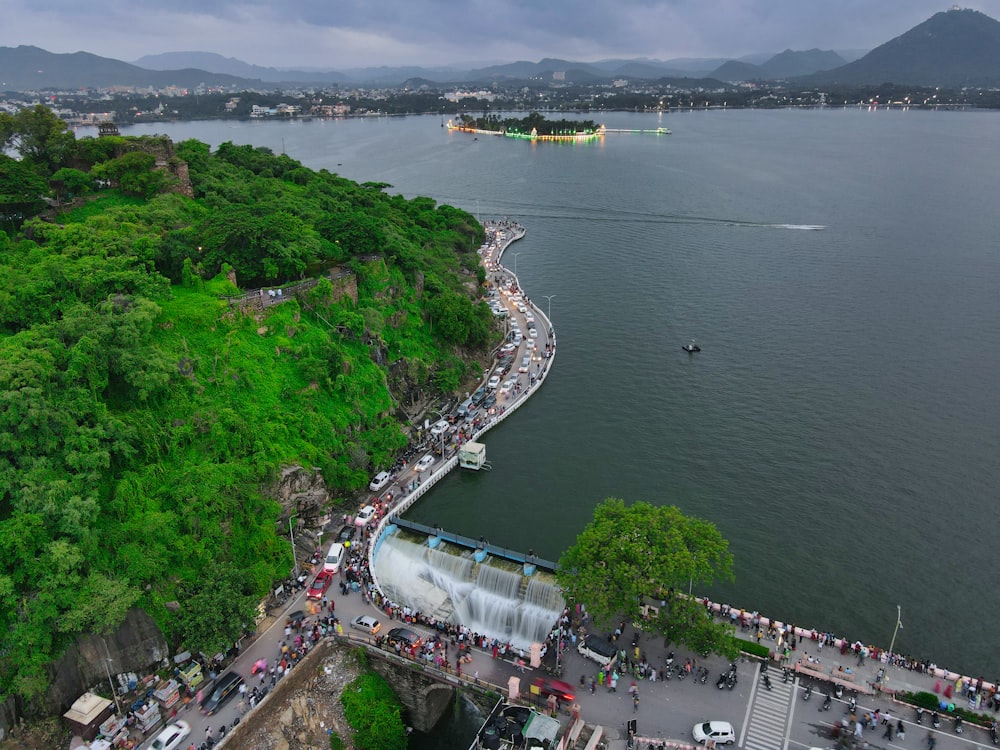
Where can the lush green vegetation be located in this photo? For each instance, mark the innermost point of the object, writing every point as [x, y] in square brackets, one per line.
[534, 121]
[374, 713]
[759, 650]
[143, 417]
[629, 553]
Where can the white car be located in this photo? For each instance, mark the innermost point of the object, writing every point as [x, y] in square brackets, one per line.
[172, 737]
[720, 732]
[425, 463]
[365, 515]
[381, 480]
[532, 333]
[507, 348]
[508, 385]
[493, 382]
[440, 427]
[529, 316]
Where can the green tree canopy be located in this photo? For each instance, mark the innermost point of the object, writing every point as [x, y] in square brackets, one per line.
[142, 424]
[39, 136]
[374, 713]
[630, 552]
[21, 192]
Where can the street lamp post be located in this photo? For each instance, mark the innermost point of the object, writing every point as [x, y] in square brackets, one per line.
[291, 535]
[515, 263]
[107, 669]
[899, 614]
[549, 297]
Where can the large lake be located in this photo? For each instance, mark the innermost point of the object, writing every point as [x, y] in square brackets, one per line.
[841, 424]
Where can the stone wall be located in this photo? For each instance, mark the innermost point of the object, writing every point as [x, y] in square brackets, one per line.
[425, 697]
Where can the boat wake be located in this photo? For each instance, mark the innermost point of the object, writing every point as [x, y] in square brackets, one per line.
[573, 213]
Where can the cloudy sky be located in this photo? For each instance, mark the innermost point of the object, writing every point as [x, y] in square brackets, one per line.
[340, 34]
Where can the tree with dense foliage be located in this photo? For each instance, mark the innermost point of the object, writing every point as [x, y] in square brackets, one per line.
[629, 553]
[374, 713]
[144, 421]
[39, 136]
[22, 192]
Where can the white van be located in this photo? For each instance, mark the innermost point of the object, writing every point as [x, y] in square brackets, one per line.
[334, 557]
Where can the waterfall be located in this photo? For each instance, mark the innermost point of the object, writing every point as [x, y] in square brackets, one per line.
[447, 584]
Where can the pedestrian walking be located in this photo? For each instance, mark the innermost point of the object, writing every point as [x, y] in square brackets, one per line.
[635, 703]
[900, 730]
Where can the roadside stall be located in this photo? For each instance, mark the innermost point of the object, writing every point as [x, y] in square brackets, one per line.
[147, 716]
[86, 715]
[167, 694]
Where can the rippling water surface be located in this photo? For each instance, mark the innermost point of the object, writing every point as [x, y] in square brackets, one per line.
[841, 272]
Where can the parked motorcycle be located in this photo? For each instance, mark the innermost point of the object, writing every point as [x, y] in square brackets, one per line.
[935, 720]
[809, 692]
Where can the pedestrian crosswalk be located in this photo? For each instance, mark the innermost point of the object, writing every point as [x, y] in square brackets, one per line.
[769, 714]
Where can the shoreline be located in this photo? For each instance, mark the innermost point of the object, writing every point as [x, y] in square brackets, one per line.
[386, 524]
[867, 653]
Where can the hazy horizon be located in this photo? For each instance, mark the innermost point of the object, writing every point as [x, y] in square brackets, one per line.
[309, 34]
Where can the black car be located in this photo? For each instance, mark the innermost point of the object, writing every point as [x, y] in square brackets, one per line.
[346, 533]
[404, 636]
[490, 402]
[224, 688]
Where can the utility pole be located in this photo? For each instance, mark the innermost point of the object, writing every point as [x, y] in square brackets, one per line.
[291, 535]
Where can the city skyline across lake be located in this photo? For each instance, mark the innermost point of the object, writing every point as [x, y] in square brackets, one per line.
[839, 425]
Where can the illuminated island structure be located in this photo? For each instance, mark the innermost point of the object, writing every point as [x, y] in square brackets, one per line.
[534, 127]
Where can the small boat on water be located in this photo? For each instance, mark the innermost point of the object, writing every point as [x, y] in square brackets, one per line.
[691, 348]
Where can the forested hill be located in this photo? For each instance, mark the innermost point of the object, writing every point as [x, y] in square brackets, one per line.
[141, 414]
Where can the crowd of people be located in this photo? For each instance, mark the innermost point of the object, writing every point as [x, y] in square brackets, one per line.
[792, 636]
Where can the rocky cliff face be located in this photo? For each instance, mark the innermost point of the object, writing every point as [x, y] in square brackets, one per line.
[300, 492]
[133, 647]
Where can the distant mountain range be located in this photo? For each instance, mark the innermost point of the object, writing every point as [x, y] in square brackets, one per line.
[32, 68]
[951, 49]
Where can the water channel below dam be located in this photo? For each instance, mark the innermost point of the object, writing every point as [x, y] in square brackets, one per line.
[493, 597]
